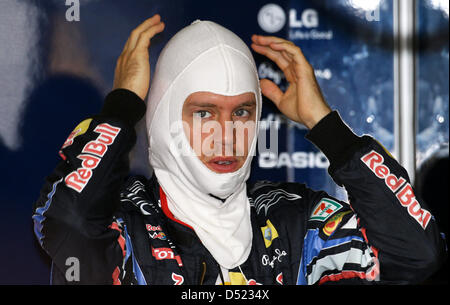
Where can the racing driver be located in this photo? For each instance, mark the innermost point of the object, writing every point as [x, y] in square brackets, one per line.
[197, 220]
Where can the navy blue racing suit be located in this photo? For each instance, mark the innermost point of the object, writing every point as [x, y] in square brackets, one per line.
[119, 229]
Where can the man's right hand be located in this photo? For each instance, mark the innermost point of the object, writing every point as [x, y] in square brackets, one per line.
[133, 65]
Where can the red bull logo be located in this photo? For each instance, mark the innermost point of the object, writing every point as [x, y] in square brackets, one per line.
[91, 156]
[406, 197]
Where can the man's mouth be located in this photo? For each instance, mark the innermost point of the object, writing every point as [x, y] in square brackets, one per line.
[223, 164]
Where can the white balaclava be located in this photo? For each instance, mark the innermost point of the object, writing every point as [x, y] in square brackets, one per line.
[203, 56]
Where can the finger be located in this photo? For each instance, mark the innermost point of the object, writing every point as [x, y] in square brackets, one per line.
[271, 91]
[143, 42]
[292, 51]
[134, 36]
[267, 40]
[275, 56]
[286, 55]
[283, 62]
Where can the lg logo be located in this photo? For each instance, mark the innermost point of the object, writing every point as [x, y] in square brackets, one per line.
[308, 19]
[272, 18]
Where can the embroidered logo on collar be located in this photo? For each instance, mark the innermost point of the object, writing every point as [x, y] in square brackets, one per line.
[265, 201]
[324, 209]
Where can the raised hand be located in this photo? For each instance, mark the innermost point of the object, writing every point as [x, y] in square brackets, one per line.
[303, 101]
[133, 65]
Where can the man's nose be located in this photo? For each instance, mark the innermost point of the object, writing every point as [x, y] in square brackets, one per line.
[228, 133]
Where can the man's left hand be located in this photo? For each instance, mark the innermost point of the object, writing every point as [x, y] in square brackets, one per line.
[303, 101]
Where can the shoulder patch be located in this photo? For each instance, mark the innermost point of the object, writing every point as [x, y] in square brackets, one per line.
[324, 209]
[333, 223]
[79, 130]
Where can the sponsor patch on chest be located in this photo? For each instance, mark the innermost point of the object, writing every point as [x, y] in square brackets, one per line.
[324, 209]
[269, 233]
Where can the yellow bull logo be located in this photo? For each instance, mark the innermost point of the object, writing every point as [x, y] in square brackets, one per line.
[334, 221]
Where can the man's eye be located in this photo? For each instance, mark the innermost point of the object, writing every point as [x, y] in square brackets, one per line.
[242, 112]
[202, 114]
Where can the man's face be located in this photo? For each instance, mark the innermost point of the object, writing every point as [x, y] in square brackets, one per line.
[220, 128]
